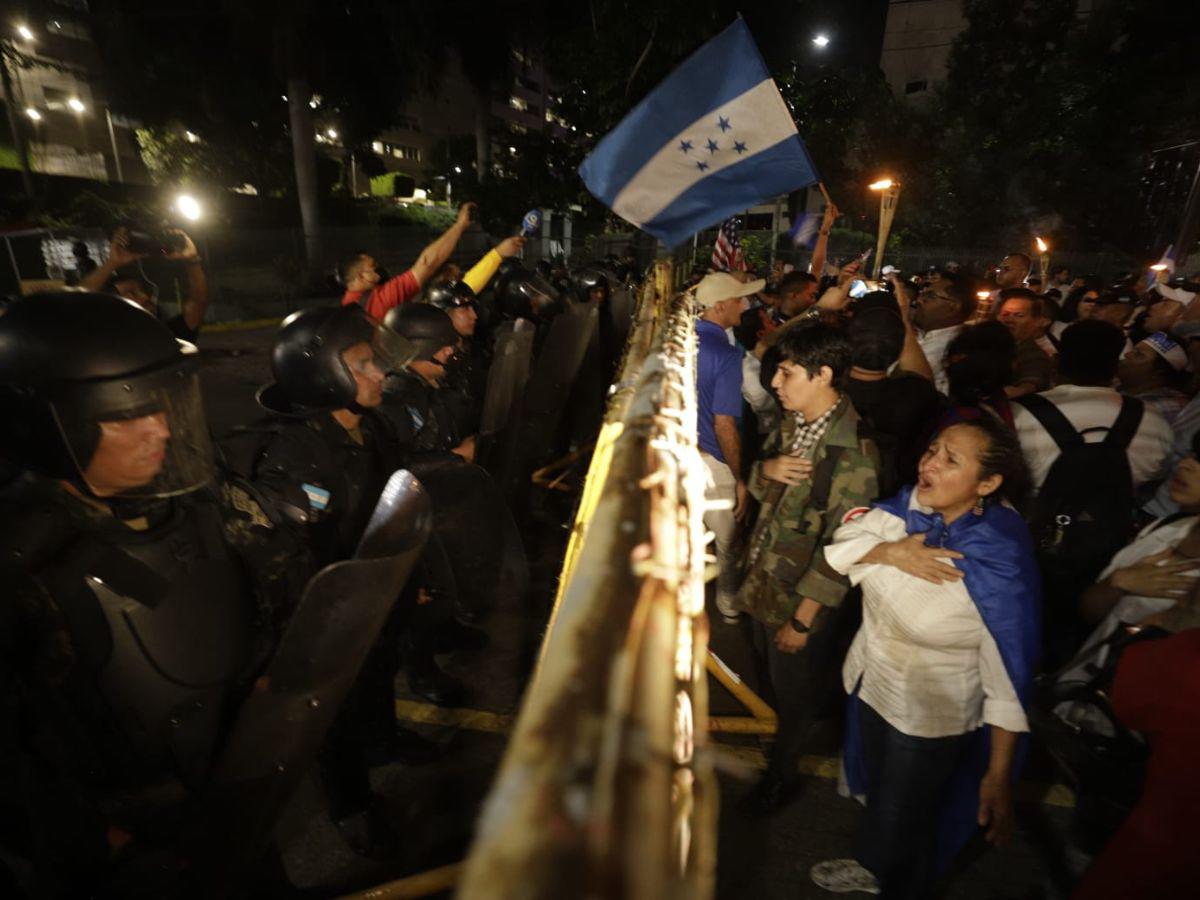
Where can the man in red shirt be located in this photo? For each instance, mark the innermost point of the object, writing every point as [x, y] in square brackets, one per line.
[361, 277]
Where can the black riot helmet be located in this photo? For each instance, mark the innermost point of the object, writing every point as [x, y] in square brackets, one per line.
[451, 295]
[585, 280]
[311, 375]
[427, 328]
[525, 295]
[95, 391]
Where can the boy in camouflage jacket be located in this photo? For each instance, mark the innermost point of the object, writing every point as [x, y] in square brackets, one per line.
[818, 471]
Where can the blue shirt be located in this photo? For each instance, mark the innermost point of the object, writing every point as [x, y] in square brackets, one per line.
[718, 383]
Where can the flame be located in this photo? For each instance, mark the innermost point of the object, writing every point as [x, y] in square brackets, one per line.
[982, 295]
[881, 185]
[1042, 248]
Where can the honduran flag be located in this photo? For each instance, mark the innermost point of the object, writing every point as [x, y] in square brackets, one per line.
[805, 229]
[712, 140]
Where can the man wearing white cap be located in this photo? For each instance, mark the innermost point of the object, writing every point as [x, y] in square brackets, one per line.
[1151, 371]
[721, 299]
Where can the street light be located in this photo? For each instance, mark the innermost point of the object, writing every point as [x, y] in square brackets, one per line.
[821, 41]
[33, 114]
[76, 104]
[25, 33]
[458, 170]
[188, 207]
[331, 133]
[889, 196]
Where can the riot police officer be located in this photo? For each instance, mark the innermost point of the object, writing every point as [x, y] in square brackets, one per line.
[140, 594]
[467, 372]
[324, 465]
[470, 515]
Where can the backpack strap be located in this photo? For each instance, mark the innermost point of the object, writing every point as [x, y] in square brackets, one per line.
[1128, 420]
[1057, 425]
[822, 484]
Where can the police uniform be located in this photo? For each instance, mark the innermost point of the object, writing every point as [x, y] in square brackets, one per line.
[131, 624]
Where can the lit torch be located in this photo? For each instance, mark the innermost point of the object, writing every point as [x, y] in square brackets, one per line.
[1044, 257]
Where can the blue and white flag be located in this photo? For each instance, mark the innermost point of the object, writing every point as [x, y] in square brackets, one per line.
[804, 230]
[712, 140]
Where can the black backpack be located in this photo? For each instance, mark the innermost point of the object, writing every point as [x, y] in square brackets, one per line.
[1084, 512]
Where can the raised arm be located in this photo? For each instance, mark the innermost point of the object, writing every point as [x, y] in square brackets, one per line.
[195, 304]
[433, 256]
[478, 276]
[912, 357]
[119, 256]
[816, 265]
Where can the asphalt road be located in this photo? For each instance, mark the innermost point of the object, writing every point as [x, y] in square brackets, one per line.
[435, 806]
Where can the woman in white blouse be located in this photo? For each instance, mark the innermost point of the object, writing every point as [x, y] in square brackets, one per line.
[938, 672]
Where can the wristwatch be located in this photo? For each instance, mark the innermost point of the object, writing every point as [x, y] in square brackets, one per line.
[798, 626]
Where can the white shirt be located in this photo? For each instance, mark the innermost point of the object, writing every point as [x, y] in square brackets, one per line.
[1093, 407]
[760, 400]
[1130, 610]
[933, 345]
[927, 663]
[1186, 424]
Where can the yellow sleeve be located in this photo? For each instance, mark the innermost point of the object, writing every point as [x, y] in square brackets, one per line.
[481, 273]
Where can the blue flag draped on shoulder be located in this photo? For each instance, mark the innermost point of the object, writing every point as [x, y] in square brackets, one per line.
[712, 140]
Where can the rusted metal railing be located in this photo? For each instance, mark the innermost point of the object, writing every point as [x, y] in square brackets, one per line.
[605, 790]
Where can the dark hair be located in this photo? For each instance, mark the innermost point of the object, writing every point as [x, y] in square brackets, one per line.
[795, 281]
[1050, 309]
[1037, 309]
[958, 289]
[1088, 352]
[876, 338]
[813, 346]
[979, 362]
[1001, 456]
[1025, 260]
[350, 267]
[1070, 307]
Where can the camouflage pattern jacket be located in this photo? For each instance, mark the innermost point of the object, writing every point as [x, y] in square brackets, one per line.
[783, 562]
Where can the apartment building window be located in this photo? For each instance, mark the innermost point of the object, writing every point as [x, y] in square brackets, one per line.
[377, 147]
[915, 87]
[412, 154]
[518, 104]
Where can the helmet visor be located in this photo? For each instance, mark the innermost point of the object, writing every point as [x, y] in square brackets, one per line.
[144, 436]
[537, 290]
[393, 351]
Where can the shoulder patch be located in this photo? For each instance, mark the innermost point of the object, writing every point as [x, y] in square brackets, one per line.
[241, 500]
[318, 497]
[857, 513]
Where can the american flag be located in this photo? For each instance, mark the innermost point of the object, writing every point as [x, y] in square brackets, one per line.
[727, 251]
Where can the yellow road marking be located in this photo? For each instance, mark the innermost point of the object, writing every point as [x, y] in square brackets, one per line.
[815, 766]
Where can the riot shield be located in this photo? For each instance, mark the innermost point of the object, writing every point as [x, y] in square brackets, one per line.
[553, 374]
[621, 305]
[508, 374]
[280, 726]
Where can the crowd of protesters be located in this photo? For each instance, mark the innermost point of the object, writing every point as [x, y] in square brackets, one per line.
[954, 508]
[962, 505]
